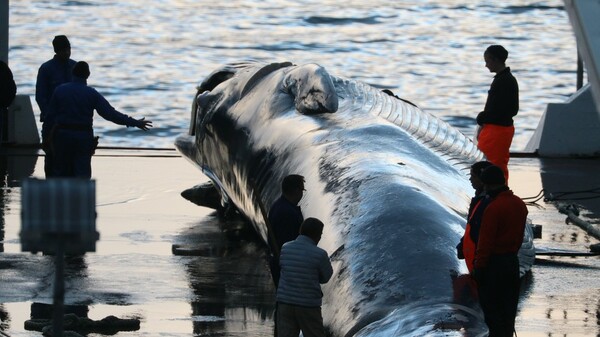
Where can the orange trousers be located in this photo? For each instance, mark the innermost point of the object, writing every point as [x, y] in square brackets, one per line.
[494, 141]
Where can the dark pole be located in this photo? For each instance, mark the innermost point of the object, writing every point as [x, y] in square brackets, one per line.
[59, 289]
[4, 5]
[579, 71]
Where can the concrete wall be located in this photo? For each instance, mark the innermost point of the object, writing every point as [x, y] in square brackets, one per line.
[570, 129]
[22, 127]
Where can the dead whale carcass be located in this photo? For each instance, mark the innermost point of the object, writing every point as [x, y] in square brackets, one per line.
[388, 180]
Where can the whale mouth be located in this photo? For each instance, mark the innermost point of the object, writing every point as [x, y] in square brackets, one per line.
[437, 320]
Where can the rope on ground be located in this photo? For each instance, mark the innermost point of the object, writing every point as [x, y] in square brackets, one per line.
[592, 193]
[536, 198]
[558, 196]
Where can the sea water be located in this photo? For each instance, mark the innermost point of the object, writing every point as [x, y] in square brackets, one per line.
[147, 57]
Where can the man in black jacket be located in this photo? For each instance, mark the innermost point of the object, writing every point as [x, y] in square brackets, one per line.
[52, 73]
[285, 218]
[8, 91]
[496, 128]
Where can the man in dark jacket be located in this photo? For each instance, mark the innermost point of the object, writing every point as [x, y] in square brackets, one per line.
[51, 74]
[468, 243]
[8, 91]
[285, 215]
[69, 122]
[285, 218]
[304, 267]
[496, 128]
[496, 265]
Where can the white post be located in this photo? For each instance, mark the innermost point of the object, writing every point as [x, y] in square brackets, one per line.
[22, 128]
[584, 15]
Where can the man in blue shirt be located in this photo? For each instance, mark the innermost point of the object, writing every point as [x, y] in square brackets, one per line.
[68, 124]
[304, 267]
[51, 74]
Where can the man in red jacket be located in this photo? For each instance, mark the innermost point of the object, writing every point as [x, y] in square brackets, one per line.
[468, 243]
[496, 265]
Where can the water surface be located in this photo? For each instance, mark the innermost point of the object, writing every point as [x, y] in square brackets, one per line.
[146, 57]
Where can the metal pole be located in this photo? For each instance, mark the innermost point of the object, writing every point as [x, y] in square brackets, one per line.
[4, 30]
[59, 289]
[579, 71]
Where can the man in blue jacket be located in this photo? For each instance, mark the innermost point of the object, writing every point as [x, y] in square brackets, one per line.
[304, 267]
[68, 124]
[51, 74]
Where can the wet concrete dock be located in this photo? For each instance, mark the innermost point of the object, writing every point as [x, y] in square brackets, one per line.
[221, 286]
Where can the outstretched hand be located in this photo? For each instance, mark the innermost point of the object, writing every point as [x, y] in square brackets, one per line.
[143, 124]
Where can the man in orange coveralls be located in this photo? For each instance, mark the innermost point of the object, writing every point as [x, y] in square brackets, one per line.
[496, 265]
[496, 128]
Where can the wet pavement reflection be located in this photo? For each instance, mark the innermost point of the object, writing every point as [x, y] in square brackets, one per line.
[171, 264]
[183, 272]
[232, 291]
[562, 294]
